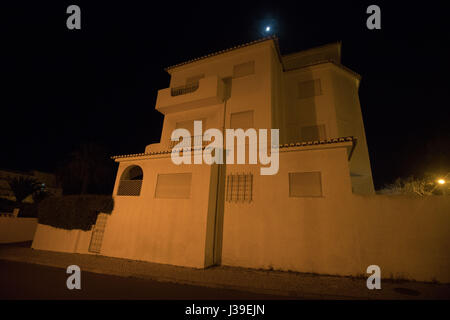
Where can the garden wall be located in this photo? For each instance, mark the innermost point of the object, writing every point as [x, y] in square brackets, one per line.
[55, 239]
[407, 237]
[17, 229]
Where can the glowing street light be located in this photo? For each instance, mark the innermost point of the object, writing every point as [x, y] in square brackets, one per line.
[441, 181]
[267, 28]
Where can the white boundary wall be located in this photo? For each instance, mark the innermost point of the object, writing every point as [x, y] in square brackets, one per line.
[17, 229]
[340, 233]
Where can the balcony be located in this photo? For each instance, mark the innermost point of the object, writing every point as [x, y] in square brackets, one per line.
[206, 92]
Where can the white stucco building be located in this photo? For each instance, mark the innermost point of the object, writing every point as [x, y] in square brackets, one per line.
[189, 214]
[318, 213]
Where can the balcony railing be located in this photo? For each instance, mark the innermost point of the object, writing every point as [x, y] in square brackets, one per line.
[129, 188]
[178, 91]
[205, 92]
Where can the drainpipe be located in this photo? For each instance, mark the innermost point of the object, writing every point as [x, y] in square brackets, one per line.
[227, 89]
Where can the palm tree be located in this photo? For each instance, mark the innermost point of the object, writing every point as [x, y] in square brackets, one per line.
[87, 169]
[22, 187]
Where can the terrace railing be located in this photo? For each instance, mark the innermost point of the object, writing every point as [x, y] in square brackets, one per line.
[178, 91]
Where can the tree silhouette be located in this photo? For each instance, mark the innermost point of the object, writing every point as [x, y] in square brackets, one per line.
[87, 170]
[22, 187]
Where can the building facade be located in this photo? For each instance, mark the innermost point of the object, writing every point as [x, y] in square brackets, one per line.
[199, 215]
[317, 214]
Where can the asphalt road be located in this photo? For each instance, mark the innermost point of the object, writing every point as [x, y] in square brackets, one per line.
[30, 281]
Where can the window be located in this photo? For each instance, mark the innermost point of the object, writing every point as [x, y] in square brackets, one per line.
[305, 184]
[310, 88]
[189, 125]
[173, 186]
[239, 187]
[130, 181]
[241, 120]
[313, 133]
[97, 234]
[244, 69]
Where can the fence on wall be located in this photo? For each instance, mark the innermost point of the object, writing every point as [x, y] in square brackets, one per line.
[97, 233]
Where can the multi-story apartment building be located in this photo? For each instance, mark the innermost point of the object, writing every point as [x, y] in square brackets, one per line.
[315, 213]
[199, 214]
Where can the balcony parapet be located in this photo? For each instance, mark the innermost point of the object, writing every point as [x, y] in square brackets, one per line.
[178, 91]
[208, 91]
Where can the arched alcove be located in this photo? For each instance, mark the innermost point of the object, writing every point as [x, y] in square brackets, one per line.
[131, 181]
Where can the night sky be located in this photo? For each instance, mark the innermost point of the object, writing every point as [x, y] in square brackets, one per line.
[65, 87]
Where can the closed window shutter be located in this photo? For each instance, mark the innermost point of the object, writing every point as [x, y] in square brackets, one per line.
[311, 88]
[305, 184]
[173, 186]
[242, 120]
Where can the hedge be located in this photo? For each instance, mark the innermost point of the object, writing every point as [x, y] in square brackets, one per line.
[7, 205]
[74, 211]
[28, 210]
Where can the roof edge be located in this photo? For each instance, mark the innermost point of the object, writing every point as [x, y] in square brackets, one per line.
[247, 44]
[282, 147]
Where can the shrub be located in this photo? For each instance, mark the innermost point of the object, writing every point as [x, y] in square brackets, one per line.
[426, 186]
[28, 210]
[7, 205]
[74, 211]
[40, 195]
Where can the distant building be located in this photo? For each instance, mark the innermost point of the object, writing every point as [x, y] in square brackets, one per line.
[47, 181]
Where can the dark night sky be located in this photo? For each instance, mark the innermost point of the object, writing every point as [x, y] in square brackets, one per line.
[64, 87]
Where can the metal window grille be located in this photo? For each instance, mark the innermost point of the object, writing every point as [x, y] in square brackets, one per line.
[188, 88]
[239, 187]
[97, 233]
[129, 188]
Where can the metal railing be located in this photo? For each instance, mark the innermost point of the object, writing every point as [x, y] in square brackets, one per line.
[129, 188]
[188, 88]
